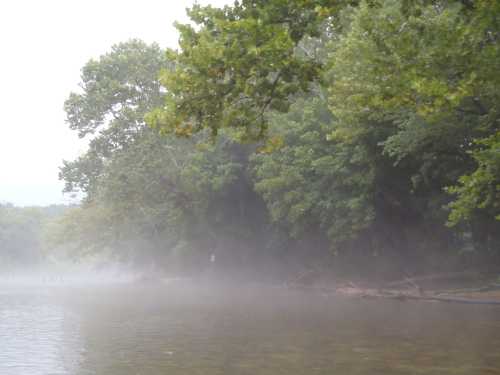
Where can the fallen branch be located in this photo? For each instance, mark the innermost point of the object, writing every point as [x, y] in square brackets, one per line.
[439, 276]
[470, 301]
[487, 288]
[404, 296]
[391, 294]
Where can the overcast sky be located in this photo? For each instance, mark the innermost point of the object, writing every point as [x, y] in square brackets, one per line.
[43, 46]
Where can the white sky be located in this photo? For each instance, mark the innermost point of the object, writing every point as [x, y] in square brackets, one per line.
[44, 44]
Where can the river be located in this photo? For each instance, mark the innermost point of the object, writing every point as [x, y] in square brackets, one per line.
[162, 329]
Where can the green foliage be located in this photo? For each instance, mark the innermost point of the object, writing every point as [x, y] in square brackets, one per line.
[80, 231]
[22, 234]
[378, 121]
[239, 63]
[149, 196]
[420, 78]
[480, 190]
[117, 91]
[312, 182]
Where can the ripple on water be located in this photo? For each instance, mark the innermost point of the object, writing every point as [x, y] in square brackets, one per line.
[191, 331]
[37, 336]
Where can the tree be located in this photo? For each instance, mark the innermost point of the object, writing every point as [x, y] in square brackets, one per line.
[311, 182]
[434, 91]
[147, 196]
[378, 122]
[117, 91]
[239, 63]
[22, 242]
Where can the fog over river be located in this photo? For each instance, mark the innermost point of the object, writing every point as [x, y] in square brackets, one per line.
[181, 328]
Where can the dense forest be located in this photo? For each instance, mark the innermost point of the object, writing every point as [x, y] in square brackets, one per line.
[358, 136]
[24, 236]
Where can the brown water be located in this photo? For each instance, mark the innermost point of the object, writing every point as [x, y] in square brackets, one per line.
[200, 330]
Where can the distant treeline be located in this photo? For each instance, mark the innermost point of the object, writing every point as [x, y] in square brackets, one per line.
[358, 135]
[23, 233]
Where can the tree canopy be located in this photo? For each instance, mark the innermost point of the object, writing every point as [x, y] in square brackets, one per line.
[375, 128]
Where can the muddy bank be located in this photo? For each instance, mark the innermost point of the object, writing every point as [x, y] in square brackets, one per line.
[459, 287]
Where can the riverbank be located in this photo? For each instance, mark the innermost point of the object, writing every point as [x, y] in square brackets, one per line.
[471, 287]
[459, 287]
[491, 297]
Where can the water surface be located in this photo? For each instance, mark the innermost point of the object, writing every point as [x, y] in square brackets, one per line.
[143, 330]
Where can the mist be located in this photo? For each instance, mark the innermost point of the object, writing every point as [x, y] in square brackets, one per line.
[260, 187]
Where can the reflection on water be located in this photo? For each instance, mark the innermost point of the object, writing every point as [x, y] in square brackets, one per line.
[173, 330]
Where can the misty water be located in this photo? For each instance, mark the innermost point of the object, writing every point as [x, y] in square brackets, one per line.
[199, 329]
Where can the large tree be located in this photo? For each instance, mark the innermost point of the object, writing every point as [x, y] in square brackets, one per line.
[117, 90]
[427, 74]
[147, 196]
[240, 62]
[378, 119]
[412, 91]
